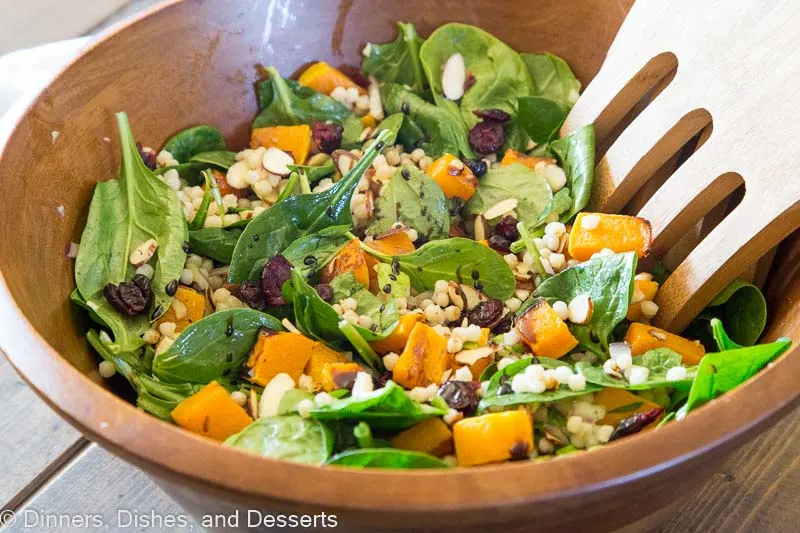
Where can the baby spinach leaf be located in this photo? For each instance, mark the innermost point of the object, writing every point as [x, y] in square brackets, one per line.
[277, 227]
[720, 372]
[387, 408]
[608, 281]
[552, 79]
[721, 337]
[399, 285]
[437, 131]
[214, 347]
[223, 159]
[457, 259]
[313, 316]
[386, 458]
[195, 140]
[658, 361]
[353, 334]
[125, 213]
[398, 61]
[516, 181]
[502, 376]
[287, 103]
[414, 199]
[216, 243]
[742, 309]
[316, 173]
[540, 118]
[499, 72]
[291, 438]
[384, 315]
[575, 153]
[190, 171]
[310, 253]
[290, 399]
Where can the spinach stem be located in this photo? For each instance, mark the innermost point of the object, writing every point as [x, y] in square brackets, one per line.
[371, 251]
[532, 249]
[362, 347]
[305, 187]
[294, 177]
[363, 435]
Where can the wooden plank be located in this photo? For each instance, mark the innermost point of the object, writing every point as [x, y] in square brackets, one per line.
[107, 490]
[34, 440]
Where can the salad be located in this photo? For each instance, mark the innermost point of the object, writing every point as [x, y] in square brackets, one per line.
[397, 272]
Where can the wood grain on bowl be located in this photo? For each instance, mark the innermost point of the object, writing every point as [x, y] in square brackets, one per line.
[193, 62]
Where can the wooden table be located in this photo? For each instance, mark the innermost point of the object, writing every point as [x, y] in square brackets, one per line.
[48, 467]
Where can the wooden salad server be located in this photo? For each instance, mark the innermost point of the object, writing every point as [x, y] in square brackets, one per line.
[735, 64]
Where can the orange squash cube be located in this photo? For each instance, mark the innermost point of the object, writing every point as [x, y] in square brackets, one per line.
[324, 78]
[493, 437]
[621, 404]
[349, 259]
[194, 304]
[339, 375]
[454, 177]
[430, 436]
[512, 156]
[543, 331]
[279, 352]
[296, 140]
[398, 338]
[620, 233]
[211, 412]
[644, 337]
[424, 359]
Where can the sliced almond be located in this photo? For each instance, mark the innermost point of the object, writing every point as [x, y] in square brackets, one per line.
[142, 253]
[501, 208]
[454, 75]
[581, 309]
[479, 228]
[468, 357]
[273, 392]
[454, 292]
[276, 161]
[375, 104]
[473, 297]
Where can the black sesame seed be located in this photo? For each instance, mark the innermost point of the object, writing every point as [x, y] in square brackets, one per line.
[475, 274]
[379, 146]
[309, 260]
[171, 288]
[329, 211]
[392, 277]
[229, 357]
[478, 286]
[405, 108]
[229, 329]
[387, 288]
[406, 174]
[255, 236]
[395, 266]
[186, 248]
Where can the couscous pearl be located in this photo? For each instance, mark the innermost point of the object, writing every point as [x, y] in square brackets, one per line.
[417, 154]
[351, 316]
[239, 397]
[590, 222]
[434, 314]
[561, 309]
[349, 304]
[304, 408]
[545, 446]
[676, 373]
[363, 385]
[187, 277]
[576, 382]
[638, 375]
[552, 242]
[106, 369]
[441, 299]
[389, 360]
[643, 276]
[424, 304]
[574, 424]
[146, 271]
[557, 261]
[365, 321]
[454, 344]
[151, 336]
[452, 313]
[562, 374]
[505, 361]
[511, 337]
[604, 433]
[462, 374]
[649, 308]
[513, 304]
[555, 228]
[511, 260]
[440, 286]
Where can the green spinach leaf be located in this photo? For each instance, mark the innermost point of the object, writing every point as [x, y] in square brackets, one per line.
[414, 199]
[223, 159]
[398, 61]
[501, 376]
[457, 259]
[552, 79]
[721, 337]
[658, 361]
[287, 103]
[290, 438]
[608, 281]
[125, 213]
[743, 311]
[290, 399]
[195, 140]
[499, 73]
[720, 372]
[427, 125]
[384, 315]
[216, 243]
[387, 408]
[190, 171]
[386, 458]
[517, 181]
[316, 173]
[276, 228]
[540, 118]
[399, 285]
[310, 253]
[214, 347]
[575, 153]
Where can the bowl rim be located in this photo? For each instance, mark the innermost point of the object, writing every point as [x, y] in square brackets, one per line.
[118, 425]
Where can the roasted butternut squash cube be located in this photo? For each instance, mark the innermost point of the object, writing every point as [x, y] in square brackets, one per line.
[393, 243]
[620, 233]
[339, 375]
[324, 78]
[620, 404]
[543, 331]
[296, 140]
[454, 177]
[321, 355]
[349, 259]
[648, 289]
[512, 156]
[430, 436]
[644, 337]
[277, 352]
[424, 359]
[189, 304]
[493, 437]
[397, 339]
[211, 412]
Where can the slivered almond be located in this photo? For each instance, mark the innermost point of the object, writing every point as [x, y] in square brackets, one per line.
[468, 357]
[454, 75]
[581, 309]
[142, 253]
[276, 161]
[479, 228]
[501, 208]
[375, 104]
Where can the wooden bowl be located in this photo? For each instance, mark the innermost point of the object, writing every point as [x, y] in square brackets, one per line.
[193, 62]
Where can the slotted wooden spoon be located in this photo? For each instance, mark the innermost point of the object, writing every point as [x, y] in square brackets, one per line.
[737, 65]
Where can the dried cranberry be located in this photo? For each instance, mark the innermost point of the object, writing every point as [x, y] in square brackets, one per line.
[345, 380]
[129, 298]
[381, 380]
[499, 243]
[487, 137]
[634, 424]
[469, 81]
[519, 451]
[325, 292]
[486, 314]
[507, 228]
[477, 166]
[327, 137]
[461, 395]
[251, 294]
[277, 271]
[504, 326]
[148, 157]
[492, 114]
